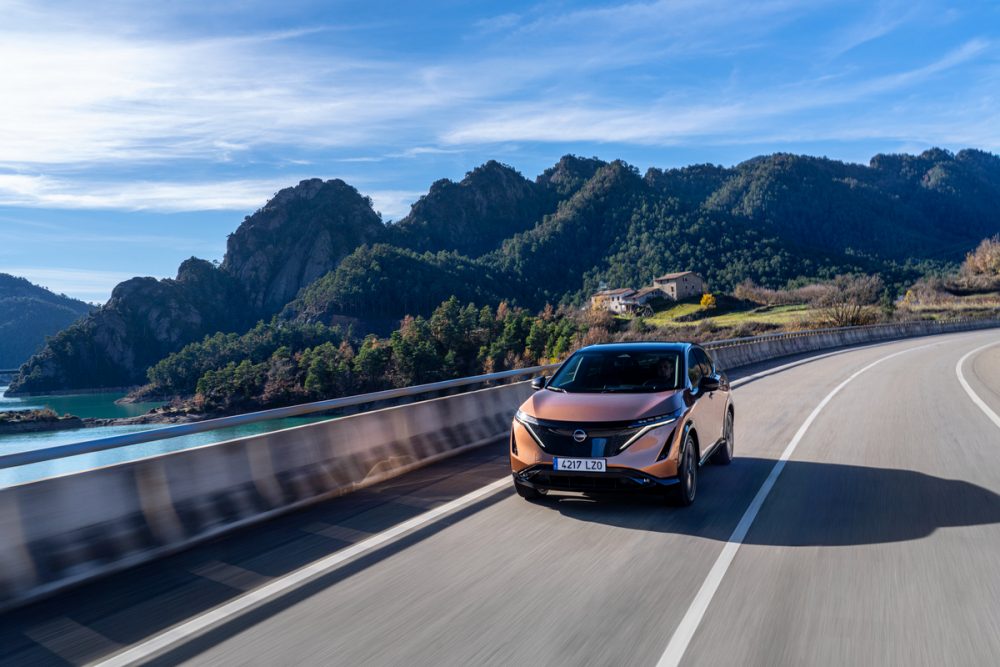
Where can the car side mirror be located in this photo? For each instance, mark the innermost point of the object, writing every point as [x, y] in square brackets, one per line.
[538, 382]
[708, 383]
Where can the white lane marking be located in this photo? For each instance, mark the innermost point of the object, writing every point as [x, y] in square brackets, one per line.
[204, 622]
[980, 403]
[692, 618]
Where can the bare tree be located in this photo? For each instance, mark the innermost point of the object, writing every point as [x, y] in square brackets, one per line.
[850, 300]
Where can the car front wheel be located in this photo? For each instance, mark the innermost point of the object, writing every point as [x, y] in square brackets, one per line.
[687, 474]
[724, 453]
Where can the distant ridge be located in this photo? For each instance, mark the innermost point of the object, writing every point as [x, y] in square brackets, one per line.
[318, 252]
[29, 313]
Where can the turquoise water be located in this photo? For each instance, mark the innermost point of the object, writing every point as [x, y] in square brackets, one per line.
[102, 405]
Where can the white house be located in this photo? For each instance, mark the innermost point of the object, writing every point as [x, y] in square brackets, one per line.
[615, 300]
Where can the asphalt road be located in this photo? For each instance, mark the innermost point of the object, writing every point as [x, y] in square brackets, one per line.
[878, 543]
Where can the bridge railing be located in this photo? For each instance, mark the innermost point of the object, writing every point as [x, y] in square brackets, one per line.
[178, 430]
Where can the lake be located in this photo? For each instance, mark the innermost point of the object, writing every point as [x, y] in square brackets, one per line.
[100, 406]
[103, 406]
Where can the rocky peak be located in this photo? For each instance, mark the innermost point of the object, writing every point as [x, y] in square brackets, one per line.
[299, 235]
[569, 174]
[473, 216]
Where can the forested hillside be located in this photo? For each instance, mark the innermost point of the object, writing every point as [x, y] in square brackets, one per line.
[318, 252]
[29, 313]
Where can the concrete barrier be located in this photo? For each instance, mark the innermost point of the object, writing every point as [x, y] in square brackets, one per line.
[746, 351]
[60, 531]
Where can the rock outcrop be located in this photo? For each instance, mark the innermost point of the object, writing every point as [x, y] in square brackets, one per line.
[301, 234]
[144, 320]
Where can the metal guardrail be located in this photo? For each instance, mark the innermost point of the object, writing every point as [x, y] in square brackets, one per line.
[178, 430]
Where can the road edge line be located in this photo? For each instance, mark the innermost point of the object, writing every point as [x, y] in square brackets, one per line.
[979, 402]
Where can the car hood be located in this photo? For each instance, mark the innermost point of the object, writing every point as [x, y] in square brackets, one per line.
[557, 406]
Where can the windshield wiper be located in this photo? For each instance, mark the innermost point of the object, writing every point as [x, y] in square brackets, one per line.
[560, 389]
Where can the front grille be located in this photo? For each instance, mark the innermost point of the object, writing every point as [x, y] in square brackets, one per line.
[557, 439]
[615, 479]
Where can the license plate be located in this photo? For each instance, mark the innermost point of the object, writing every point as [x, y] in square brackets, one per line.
[581, 465]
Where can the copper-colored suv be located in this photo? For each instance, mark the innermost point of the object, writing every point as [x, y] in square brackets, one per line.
[621, 417]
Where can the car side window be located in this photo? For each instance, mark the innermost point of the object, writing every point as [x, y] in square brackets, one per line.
[695, 370]
[707, 367]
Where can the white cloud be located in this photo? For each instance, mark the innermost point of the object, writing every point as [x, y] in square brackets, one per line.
[393, 204]
[47, 192]
[100, 98]
[733, 116]
[85, 96]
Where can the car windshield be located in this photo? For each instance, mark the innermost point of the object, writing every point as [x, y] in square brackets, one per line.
[595, 371]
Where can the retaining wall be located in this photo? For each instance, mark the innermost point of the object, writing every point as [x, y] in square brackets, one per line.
[60, 531]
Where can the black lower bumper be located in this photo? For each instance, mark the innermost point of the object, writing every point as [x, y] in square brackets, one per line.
[543, 477]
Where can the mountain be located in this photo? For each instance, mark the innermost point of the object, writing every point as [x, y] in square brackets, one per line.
[145, 320]
[299, 235]
[318, 252]
[475, 215]
[28, 314]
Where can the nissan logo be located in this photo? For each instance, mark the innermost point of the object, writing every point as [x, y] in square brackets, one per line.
[579, 435]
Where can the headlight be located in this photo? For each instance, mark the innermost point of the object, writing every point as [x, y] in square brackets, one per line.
[525, 418]
[647, 424]
[527, 421]
[658, 420]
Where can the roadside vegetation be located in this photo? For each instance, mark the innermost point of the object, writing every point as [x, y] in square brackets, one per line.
[972, 291]
[286, 361]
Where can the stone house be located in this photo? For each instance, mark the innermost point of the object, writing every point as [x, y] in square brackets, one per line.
[682, 285]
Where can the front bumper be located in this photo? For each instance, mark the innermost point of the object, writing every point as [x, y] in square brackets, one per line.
[543, 477]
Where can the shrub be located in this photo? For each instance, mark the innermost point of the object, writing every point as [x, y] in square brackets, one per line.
[849, 300]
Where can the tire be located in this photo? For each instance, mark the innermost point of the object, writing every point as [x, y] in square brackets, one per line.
[527, 492]
[683, 493]
[723, 455]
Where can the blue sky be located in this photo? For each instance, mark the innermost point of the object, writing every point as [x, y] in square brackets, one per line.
[134, 135]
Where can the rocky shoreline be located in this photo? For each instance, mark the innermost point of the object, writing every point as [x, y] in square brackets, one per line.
[165, 418]
[38, 421]
[41, 425]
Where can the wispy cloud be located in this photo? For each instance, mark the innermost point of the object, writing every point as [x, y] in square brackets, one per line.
[724, 116]
[84, 96]
[393, 204]
[885, 17]
[104, 99]
[47, 192]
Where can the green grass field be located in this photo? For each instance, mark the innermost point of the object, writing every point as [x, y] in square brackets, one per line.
[726, 317]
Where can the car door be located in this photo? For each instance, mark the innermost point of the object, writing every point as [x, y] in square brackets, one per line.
[701, 408]
[713, 403]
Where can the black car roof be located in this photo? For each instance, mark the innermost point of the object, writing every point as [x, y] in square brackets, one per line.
[645, 346]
